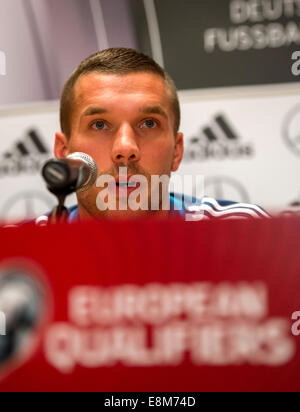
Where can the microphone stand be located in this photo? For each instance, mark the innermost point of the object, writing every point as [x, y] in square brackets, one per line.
[77, 172]
[60, 213]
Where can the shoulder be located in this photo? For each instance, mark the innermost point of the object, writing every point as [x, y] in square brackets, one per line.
[208, 208]
[193, 209]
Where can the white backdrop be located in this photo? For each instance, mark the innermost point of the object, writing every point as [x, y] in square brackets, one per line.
[23, 192]
[260, 163]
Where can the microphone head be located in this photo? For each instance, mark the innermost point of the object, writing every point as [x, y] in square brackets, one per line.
[89, 161]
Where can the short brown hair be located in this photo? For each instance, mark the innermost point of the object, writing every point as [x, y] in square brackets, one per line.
[114, 61]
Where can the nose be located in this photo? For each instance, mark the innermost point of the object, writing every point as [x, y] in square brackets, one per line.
[125, 148]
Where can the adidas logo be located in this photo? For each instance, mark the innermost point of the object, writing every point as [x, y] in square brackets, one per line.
[217, 141]
[27, 156]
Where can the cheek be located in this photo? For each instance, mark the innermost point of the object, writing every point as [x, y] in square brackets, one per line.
[159, 157]
[98, 151]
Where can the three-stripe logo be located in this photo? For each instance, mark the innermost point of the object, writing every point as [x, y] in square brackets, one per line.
[225, 128]
[26, 156]
[32, 144]
[217, 141]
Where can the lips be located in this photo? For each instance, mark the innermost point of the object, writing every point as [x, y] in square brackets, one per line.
[128, 184]
[126, 181]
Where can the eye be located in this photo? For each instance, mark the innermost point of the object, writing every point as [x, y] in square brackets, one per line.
[99, 125]
[149, 124]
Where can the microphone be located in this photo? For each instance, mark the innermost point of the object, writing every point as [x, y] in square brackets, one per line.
[76, 173]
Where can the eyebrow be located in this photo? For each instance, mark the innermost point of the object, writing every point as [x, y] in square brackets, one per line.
[92, 110]
[154, 110]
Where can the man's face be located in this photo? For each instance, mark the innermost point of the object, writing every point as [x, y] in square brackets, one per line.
[122, 121]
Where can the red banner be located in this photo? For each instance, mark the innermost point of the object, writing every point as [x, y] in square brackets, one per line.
[151, 306]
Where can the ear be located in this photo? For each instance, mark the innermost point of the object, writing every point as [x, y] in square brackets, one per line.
[61, 146]
[178, 152]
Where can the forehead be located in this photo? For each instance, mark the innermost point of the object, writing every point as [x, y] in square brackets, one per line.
[110, 89]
